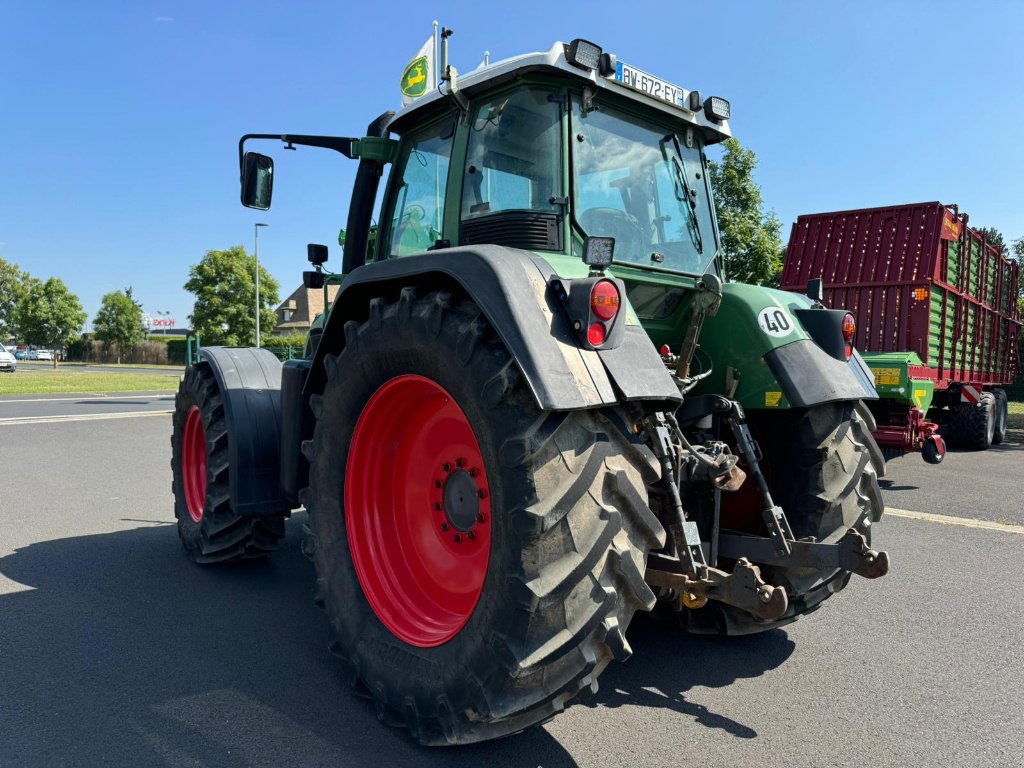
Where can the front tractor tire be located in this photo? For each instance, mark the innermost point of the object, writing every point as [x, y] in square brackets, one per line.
[822, 466]
[209, 529]
[478, 559]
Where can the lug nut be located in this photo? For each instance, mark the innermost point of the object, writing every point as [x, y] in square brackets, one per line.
[482, 493]
[460, 462]
[438, 484]
[446, 467]
[444, 526]
[456, 538]
[474, 472]
[437, 507]
[480, 517]
[471, 535]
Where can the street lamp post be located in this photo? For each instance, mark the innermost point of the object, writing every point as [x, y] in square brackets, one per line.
[256, 229]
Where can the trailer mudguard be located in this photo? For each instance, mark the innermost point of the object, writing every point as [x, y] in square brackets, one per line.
[768, 353]
[250, 383]
[511, 288]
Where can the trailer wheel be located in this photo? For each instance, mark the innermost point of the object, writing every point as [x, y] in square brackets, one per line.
[822, 466]
[1001, 415]
[208, 528]
[478, 559]
[973, 425]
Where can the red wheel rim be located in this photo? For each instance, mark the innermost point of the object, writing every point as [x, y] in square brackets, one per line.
[193, 464]
[417, 511]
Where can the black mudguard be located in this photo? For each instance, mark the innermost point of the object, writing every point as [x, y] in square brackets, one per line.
[809, 375]
[250, 383]
[511, 288]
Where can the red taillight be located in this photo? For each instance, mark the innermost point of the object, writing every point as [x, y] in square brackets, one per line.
[849, 331]
[596, 334]
[849, 328]
[604, 301]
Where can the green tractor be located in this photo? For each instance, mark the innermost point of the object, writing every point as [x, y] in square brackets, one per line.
[535, 406]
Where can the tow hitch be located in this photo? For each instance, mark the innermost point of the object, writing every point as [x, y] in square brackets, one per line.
[688, 574]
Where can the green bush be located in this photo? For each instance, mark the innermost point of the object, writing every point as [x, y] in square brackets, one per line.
[293, 340]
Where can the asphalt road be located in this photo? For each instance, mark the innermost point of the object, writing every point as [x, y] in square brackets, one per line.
[981, 484]
[31, 408]
[115, 650]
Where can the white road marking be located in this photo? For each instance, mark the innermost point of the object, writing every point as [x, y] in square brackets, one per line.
[98, 396]
[16, 420]
[966, 522]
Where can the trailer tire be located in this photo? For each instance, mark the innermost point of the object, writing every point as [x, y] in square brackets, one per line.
[973, 425]
[1001, 415]
[827, 484]
[209, 529]
[562, 531]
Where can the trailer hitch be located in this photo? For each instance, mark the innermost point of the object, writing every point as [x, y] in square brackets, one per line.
[743, 588]
[695, 581]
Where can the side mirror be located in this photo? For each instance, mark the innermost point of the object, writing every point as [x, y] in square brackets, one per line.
[257, 181]
[311, 279]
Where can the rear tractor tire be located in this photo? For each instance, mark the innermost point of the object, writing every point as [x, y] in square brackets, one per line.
[478, 559]
[974, 425]
[822, 466]
[209, 529]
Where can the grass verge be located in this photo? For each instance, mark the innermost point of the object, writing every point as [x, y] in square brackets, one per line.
[79, 382]
[1016, 418]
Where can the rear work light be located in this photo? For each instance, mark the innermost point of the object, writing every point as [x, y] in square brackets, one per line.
[849, 331]
[604, 300]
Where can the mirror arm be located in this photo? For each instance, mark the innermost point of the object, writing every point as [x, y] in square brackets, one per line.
[338, 144]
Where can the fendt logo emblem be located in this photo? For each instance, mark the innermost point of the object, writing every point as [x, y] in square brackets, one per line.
[414, 79]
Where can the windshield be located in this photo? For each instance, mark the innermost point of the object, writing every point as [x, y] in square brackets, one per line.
[645, 186]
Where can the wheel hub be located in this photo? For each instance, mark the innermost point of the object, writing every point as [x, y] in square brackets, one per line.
[460, 500]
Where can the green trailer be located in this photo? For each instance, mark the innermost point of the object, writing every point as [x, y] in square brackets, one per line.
[936, 312]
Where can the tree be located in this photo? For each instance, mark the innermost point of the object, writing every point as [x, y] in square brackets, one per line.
[994, 237]
[750, 237]
[48, 314]
[1017, 254]
[119, 321]
[12, 288]
[223, 283]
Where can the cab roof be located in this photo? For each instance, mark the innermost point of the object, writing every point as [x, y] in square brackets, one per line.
[552, 61]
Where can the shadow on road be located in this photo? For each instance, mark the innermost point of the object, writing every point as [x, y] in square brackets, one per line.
[667, 663]
[121, 652]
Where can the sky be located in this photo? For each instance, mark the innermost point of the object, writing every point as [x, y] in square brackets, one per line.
[119, 121]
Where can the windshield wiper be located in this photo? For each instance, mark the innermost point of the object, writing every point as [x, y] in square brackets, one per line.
[684, 193]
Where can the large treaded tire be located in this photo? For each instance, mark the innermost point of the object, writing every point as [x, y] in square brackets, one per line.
[220, 535]
[1001, 415]
[822, 466]
[973, 425]
[570, 533]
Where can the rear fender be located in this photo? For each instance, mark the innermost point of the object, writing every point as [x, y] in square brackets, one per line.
[511, 287]
[760, 346]
[250, 384]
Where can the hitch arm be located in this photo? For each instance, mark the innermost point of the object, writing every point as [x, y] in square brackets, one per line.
[851, 553]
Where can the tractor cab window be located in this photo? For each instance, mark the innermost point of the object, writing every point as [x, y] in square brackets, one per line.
[646, 186]
[418, 205]
[513, 171]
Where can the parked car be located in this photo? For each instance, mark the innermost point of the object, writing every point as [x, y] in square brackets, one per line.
[20, 354]
[7, 360]
[40, 354]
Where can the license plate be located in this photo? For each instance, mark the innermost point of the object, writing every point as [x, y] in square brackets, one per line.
[641, 81]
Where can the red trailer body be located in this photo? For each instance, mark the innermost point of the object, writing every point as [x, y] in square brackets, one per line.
[917, 279]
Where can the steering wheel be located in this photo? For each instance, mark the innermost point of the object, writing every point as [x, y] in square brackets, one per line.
[611, 222]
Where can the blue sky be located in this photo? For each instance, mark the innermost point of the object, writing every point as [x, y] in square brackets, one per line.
[119, 121]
